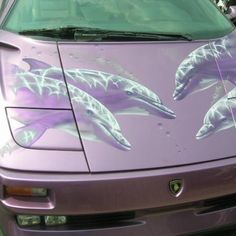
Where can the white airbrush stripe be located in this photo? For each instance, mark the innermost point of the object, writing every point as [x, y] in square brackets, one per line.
[41, 84]
[80, 97]
[105, 80]
[98, 79]
[215, 49]
[196, 57]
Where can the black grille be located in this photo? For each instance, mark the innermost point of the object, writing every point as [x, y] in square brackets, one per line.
[216, 204]
[82, 222]
[101, 220]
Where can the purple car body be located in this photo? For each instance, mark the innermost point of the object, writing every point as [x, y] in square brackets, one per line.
[133, 135]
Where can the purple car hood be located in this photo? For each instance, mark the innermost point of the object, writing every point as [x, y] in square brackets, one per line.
[139, 105]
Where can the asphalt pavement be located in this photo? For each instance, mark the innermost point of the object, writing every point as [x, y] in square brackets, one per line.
[223, 232]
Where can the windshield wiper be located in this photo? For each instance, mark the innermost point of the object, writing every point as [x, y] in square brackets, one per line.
[113, 35]
[99, 34]
[61, 32]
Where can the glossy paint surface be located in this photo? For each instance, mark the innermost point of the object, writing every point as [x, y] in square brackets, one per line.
[24, 111]
[69, 110]
[156, 211]
[155, 141]
[135, 105]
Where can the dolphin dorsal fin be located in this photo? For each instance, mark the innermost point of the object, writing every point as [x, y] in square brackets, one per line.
[36, 64]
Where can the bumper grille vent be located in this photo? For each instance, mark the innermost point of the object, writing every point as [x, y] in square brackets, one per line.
[99, 221]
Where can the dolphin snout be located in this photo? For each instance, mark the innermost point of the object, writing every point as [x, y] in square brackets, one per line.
[205, 131]
[167, 112]
[125, 144]
[116, 138]
[121, 140]
[156, 107]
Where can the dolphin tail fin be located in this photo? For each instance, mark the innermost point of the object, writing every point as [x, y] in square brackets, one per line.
[36, 64]
[27, 135]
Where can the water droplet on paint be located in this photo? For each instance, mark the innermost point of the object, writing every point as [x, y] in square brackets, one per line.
[168, 134]
[160, 125]
[39, 53]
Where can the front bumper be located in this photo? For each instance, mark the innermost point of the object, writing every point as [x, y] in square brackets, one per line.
[145, 193]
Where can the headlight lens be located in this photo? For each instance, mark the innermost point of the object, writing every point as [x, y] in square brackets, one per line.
[55, 220]
[28, 220]
[31, 220]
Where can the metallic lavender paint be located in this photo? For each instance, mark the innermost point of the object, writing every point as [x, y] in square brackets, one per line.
[116, 79]
[77, 186]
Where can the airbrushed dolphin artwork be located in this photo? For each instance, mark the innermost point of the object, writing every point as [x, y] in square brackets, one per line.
[93, 94]
[198, 73]
[127, 94]
[219, 117]
[90, 110]
[117, 117]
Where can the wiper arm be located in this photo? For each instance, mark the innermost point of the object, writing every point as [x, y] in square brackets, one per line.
[62, 31]
[126, 35]
[59, 32]
[99, 34]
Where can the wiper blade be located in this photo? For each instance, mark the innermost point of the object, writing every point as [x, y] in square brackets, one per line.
[51, 32]
[99, 34]
[126, 35]
[61, 30]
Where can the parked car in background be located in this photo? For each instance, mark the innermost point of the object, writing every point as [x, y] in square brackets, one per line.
[222, 4]
[228, 7]
[232, 3]
[232, 11]
[116, 117]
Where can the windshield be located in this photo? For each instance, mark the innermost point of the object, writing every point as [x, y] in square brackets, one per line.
[197, 18]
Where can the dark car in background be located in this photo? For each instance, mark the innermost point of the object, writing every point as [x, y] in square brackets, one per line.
[222, 4]
[228, 7]
[117, 118]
